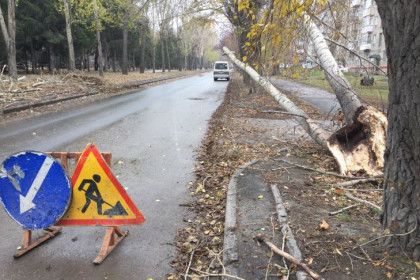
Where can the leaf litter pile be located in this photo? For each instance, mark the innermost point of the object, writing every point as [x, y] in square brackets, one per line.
[335, 222]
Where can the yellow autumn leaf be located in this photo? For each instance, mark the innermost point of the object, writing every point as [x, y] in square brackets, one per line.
[324, 225]
[295, 75]
[245, 58]
[260, 196]
[296, 60]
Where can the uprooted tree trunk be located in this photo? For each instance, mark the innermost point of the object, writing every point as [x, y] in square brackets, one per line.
[362, 142]
[356, 148]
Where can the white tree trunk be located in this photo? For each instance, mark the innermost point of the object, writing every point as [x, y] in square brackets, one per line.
[365, 154]
[347, 97]
[316, 132]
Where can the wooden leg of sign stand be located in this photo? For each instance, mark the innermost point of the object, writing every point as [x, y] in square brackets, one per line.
[27, 236]
[113, 236]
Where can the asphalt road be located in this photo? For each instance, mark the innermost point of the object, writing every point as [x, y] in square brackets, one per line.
[322, 99]
[152, 135]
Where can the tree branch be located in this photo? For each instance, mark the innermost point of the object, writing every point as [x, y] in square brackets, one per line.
[290, 258]
[365, 202]
[356, 54]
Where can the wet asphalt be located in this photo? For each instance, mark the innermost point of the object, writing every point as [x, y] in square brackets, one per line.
[153, 135]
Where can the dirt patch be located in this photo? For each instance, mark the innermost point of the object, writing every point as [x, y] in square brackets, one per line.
[241, 130]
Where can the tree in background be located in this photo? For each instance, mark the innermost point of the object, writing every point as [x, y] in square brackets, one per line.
[9, 36]
[67, 13]
[40, 34]
[58, 34]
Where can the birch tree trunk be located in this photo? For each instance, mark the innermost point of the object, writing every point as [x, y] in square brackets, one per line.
[351, 157]
[67, 14]
[98, 37]
[362, 142]
[346, 96]
[316, 132]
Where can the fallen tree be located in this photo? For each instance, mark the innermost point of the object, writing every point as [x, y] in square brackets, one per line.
[357, 148]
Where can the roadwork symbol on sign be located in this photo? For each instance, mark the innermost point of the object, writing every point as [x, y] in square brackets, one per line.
[34, 189]
[98, 197]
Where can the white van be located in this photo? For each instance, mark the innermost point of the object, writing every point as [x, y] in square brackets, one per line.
[221, 70]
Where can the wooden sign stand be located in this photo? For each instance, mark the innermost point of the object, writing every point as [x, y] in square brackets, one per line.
[113, 234]
[26, 245]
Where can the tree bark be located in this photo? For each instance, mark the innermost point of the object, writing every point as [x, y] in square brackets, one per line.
[154, 57]
[67, 13]
[316, 132]
[125, 44]
[162, 49]
[98, 37]
[362, 142]
[51, 65]
[346, 95]
[114, 61]
[9, 35]
[401, 207]
[357, 148]
[167, 54]
[143, 45]
[4, 29]
[33, 57]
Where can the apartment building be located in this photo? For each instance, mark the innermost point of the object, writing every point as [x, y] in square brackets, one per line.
[367, 38]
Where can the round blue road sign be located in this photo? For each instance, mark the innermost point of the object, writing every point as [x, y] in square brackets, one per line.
[34, 189]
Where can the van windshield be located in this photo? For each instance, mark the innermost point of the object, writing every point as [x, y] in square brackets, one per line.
[221, 66]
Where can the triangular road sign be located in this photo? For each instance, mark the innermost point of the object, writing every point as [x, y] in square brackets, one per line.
[98, 198]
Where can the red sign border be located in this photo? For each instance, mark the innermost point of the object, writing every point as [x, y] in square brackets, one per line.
[91, 148]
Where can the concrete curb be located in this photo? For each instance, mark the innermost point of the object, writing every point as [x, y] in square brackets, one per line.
[49, 102]
[230, 246]
[291, 243]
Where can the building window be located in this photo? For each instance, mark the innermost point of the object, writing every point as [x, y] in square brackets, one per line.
[380, 40]
[369, 38]
[374, 39]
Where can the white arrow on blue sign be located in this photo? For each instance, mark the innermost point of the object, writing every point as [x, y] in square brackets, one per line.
[34, 189]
